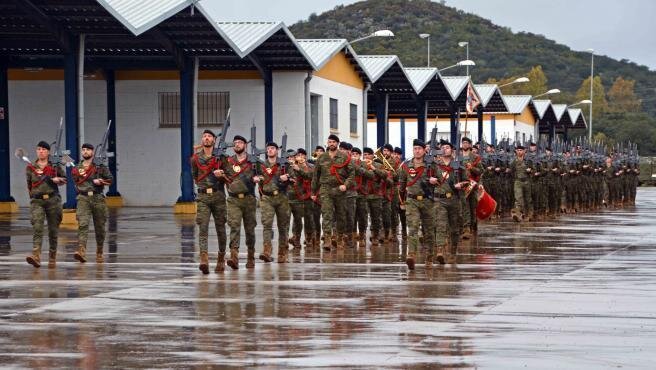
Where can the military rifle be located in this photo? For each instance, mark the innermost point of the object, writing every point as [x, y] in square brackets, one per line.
[221, 145]
[100, 155]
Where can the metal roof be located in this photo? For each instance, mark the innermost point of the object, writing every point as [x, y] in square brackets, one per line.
[320, 51]
[516, 103]
[541, 106]
[420, 76]
[139, 16]
[244, 37]
[376, 65]
[559, 110]
[577, 118]
[485, 91]
[455, 85]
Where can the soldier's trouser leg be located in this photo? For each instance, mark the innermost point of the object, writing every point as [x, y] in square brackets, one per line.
[374, 207]
[282, 218]
[349, 208]
[328, 210]
[394, 216]
[100, 212]
[361, 214]
[471, 204]
[341, 225]
[308, 219]
[238, 210]
[466, 211]
[420, 214]
[49, 210]
[83, 214]
[316, 215]
[218, 208]
[209, 205]
[519, 191]
[298, 212]
[386, 213]
[268, 213]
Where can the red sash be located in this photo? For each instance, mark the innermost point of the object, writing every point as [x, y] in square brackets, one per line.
[241, 165]
[80, 179]
[211, 165]
[418, 174]
[269, 176]
[335, 167]
[48, 171]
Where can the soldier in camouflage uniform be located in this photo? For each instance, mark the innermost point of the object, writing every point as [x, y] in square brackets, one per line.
[274, 179]
[375, 176]
[302, 172]
[551, 170]
[295, 195]
[387, 191]
[350, 202]
[398, 214]
[416, 181]
[447, 194]
[361, 209]
[522, 187]
[472, 170]
[533, 161]
[333, 175]
[43, 179]
[240, 172]
[90, 181]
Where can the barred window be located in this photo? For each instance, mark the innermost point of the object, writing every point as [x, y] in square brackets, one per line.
[334, 123]
[354, 118]
[211, 111]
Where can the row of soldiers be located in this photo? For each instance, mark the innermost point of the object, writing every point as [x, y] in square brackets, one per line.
[342, 192]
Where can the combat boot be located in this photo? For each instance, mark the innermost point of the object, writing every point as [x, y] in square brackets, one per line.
[410, 261]
[266, 253]
[99, 254]
[362, 239]
[250, 259]
[52, 259]
[374, 239]
[204, 263]
[220, 263]
[81, 254]
[282, 255]
[327, 243]
[439, 258]
[34, 260]
[339, 241]
[233, 261]
[516, 217]
[429, 262]
[453, 254]
[334, 239]
[466, 234]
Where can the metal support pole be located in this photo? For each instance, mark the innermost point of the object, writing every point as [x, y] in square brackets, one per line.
[403, 137]
[479, 115]
[591, 93]
[421, 118]
[268, 106]
[453, 111]
[186, 131]
[5, 170]
[71, 119]
[110, 80]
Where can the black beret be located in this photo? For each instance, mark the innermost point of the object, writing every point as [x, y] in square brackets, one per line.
[388, 147]
[532, 144]
[87, 146]
[271, 143]
[548, 148]
[356, 150]
[43, 144]
[398, 150]
[444, 142]
[320, 147]
[239, 137]
[367, 150]
[209, 132]
[520, 146]
[343, 145]
[301, 151]
[418, 142]
[333, 137]
[291, 153]
[490, 145]
[465, 138]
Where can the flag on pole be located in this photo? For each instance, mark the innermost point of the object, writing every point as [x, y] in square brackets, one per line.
[472, 99]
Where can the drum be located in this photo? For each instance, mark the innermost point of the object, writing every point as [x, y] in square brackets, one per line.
[486, 205]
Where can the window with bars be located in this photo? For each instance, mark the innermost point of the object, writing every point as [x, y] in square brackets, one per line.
[353, 118]
[334, 123]
[211, 111]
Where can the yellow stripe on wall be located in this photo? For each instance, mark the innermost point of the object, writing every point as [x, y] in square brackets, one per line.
[340, 70]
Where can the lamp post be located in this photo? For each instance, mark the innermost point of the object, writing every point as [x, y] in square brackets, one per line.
[460, 64]
[584, 101]
[465, 44]
[591, 85]
[427, 37]
[552, 91]
[516, 81]
[380, 33]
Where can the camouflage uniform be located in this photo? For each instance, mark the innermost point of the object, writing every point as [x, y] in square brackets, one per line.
[551, 169]
[45, 204]
[300, 193]
[91, 205]
[274, 204]
[330, 173]
[473, 168]
[420, 210]
[521, 188]
[241, 203]
[375, 178]
[211, 200]
[447, 204]
[361, 208]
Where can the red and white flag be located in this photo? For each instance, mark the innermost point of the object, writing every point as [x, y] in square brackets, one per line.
[472, 99]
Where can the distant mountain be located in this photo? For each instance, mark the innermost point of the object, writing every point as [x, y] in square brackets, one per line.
[498, 52]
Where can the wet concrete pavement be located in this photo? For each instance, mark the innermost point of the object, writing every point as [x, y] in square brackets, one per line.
[579, 292]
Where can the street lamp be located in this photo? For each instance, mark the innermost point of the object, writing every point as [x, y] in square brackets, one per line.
[584, 101]
[516, 81]
[427, 37]
[460, 64]
[552, 91]
[591, 51]
[465, 44]
[380, 33]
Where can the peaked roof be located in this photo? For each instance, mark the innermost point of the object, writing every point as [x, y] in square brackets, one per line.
[320, 51]
[559, 110]
[455, 85]
[577, 117]
[244, 37]
[542, 106]
[420, 76]
[376, 65]
[139, 16]
[485, 92]
[516, 103]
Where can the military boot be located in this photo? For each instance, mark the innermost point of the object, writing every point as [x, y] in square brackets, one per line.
[327, 243]
[466, 234]
[410, 260]
[233, 261]
[250, 259]
[453, 254]
[339, 241]
[52, 259]
[374, 239]
[204, 263]
[81, 254]
[282, 255]
[99, 255]
[34, 260]
[362, 239]
[429, 262]
[439, 257]
[220, 263]
[266, 253]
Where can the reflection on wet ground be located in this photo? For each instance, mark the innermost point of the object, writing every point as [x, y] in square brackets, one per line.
[578, 292]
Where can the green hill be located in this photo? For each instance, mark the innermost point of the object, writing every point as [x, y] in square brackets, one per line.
[497, 51]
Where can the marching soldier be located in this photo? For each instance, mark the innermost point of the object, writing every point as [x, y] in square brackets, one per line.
[274, 203]
[240, 173]
[361, 213]
[473, 169]
[375, 177]
[332, 177]
[211, 200]
[522, 187]
[398, 214]
[416, 181]
[302, 172]
[351, 200]
[387, 190]
[295, 194]
[90, 181]
[43, 181]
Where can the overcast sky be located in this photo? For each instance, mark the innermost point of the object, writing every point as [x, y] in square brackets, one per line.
[620, 29]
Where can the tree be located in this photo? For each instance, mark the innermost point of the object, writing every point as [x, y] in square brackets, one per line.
[537, 83]
[622, 97]
[599, 103]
